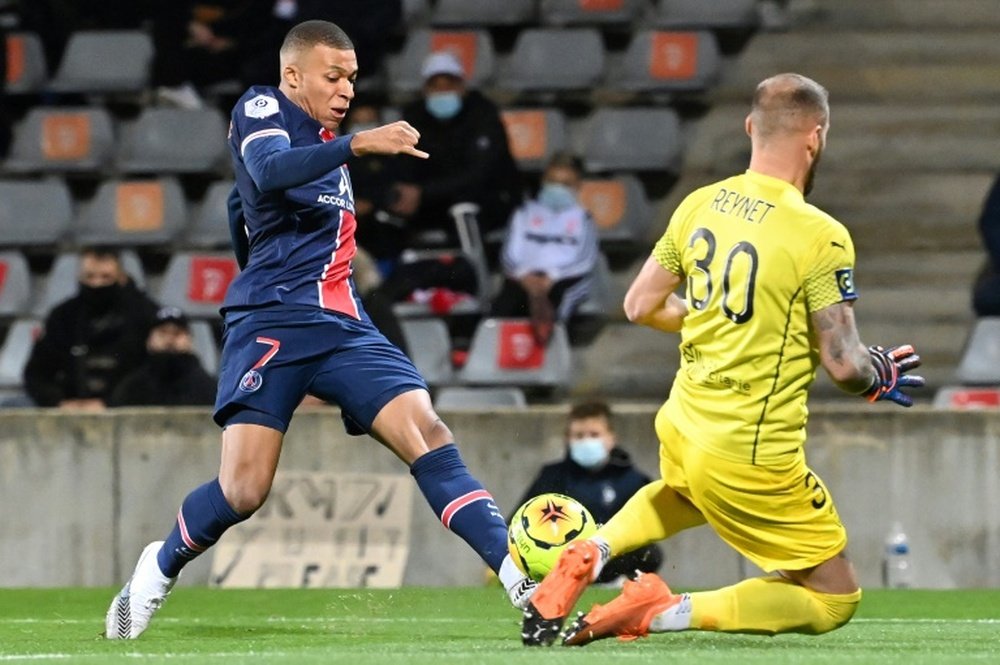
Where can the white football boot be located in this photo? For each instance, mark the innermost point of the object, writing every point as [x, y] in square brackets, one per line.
[133, 607]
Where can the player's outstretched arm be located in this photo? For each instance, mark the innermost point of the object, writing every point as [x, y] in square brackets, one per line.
[396, 138]
[874, 373]
[651, 301]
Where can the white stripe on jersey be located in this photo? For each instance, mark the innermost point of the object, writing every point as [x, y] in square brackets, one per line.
[274, 131]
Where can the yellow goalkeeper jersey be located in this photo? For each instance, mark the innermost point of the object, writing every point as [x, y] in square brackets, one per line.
[758, 260]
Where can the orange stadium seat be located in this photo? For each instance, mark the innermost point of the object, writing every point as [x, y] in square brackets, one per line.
[133, 212]
[619, 207]
[534, 135]
[26, 66]
[54, 140]
[663, 61]
[473, 48]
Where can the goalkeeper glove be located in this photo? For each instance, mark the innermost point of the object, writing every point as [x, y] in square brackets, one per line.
[890, 367]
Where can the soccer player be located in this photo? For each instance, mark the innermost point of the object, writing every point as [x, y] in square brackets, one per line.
[294, 325]
[770, 294]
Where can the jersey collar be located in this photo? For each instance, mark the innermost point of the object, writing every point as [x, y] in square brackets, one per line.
[772, 182]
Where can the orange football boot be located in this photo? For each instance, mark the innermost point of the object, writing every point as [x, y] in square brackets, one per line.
[628, 616]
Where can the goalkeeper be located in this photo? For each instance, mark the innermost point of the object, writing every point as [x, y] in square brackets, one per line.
[769, 298]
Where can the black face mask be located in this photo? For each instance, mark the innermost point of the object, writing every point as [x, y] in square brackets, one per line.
[99, 297]
[167, 364]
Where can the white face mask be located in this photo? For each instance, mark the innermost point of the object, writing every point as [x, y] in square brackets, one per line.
[589, 452]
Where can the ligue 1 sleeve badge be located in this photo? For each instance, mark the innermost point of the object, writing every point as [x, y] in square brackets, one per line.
[251, 381]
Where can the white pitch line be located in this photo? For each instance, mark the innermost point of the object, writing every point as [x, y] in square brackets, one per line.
[139, 656]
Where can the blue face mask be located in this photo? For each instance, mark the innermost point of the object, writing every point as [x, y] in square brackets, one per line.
[588, 453]
[557, 197]
[443, 105]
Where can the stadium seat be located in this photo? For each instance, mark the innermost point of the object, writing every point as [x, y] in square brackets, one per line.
[472, 398]
[504, 352]
[476, 13]
[415, 12]
[552, 60]
[133, 212]
[164, 140]
[63, 278]
[661, 61]
[619, 207]
[474, 49]
[34, 212]
[632, 139]
[599, 303]
[967, 398]
[105, 61]
[15, 284]
[429, 344]
[26, 66]
[209, 227]
[589, 12]
[197, 282]
[16, 350]
[65, 139]
[701, 14]
[534, 135]
[980, 363]
[205, 346]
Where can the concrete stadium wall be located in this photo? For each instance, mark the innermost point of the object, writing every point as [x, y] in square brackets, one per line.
[81, 494]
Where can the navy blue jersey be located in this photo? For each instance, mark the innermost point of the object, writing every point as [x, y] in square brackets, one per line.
[297, 207]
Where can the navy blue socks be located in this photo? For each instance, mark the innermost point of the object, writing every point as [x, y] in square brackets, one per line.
[203, 518]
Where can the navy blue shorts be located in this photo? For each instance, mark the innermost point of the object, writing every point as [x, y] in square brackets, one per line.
[272, 358]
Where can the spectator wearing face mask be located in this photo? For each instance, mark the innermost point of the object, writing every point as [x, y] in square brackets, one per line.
[91, 340]
[601, 476]
[550, 252]
[172, 375]
[470, 159]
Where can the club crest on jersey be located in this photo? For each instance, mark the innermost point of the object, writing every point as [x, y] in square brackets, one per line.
[261, 106]
[845, 282]
[251, 381]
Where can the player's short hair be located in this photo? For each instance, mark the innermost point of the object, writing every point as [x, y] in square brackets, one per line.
[565, 160]
[787, 103]
[592, 409]
[308, 34]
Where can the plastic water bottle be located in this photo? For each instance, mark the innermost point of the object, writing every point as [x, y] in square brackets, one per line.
[897, 569]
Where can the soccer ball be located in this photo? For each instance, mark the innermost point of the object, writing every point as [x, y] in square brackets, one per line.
[542, 528]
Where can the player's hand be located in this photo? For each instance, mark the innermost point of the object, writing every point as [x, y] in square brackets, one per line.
[397, 138]
[891, 366]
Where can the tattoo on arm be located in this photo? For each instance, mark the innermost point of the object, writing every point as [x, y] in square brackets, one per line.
[843, 355]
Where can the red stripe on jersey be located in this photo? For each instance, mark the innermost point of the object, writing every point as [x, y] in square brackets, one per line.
[334, 288]
[461, 502]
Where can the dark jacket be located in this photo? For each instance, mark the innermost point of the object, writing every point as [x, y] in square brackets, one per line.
[87, 347]
[171, 379]
[469, 160]
[602, 492]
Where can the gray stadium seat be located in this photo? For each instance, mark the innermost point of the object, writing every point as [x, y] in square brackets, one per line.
[26, 67]
[624, 139]
[471, 398]
[64, 139]
[133, 212]
[416, 12]
[551, 60]
[34, 212]
[15, 351]
[583, 12]
[209, 227]
[980, 363]
[504, 353]
[619, 207]
[197, 282]
[63, 278]
[534, 135]
[661, 61]
[205, 346]
[429, 344]
[482, 12]
[105, 61]
[702, 14]
[474, 49]
[15, 284]
[165, 140]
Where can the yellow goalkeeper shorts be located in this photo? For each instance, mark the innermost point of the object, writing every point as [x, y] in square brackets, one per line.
[781, 517]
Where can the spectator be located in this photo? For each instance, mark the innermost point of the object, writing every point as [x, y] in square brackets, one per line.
[470, 160]
[171, 375]
[601, 476]
[550, 252]
[91, 340]
[986, 291]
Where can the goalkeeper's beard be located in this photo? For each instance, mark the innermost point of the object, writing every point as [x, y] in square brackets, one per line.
[811, 174]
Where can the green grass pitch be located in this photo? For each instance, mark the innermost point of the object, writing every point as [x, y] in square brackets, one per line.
[462, 625]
